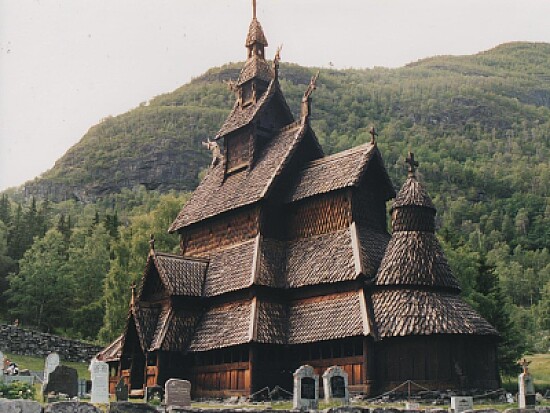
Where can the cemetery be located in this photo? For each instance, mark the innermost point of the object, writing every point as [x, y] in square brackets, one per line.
[289, 294]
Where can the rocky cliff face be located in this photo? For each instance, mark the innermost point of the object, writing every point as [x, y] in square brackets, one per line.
[159, 169]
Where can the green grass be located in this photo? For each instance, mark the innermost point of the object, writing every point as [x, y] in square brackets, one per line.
[37, 364]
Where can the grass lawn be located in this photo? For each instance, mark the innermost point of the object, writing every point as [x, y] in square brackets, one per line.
[37, 364]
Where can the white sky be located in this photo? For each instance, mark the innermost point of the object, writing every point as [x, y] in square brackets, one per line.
[66, 64]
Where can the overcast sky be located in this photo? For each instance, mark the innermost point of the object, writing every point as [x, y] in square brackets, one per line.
[66, 64]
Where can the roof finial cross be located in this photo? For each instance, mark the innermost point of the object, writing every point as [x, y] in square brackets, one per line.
[253, 9]
[412, 164]
[152, 242]
[373, 134]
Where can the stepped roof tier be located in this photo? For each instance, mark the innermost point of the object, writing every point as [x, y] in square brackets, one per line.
[417, 292]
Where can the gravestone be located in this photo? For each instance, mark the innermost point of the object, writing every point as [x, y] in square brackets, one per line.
[306, 389]
[121, 391]
[1, 366]
[99, 372]
[64, 380]
[52, 361]
[526, 395]
[461, 403]
[335, 385]
[177, 393]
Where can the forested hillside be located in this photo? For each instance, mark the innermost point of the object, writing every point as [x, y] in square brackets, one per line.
[479, 125]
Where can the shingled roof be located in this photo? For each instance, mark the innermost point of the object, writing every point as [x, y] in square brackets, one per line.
[255, 67]
[415, 258]
[416, 292]
[218, 193]
[414, 255]
[255, 34]
[324, 258]
[146, 321]
[180, 276]
[372, 245]
[406, 312]
[113, 351]
[175, 330]
[230, 269]
[413, 193]
[243, 115]
[341, 170]
[326, 318]
[223, 326]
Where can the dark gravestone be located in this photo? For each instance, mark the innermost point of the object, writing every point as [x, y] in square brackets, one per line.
[128, 407]
[338, 387]
[71, 407]
[178, 393]
[121, 391]
[154, 393]
[308, 388]
[64, 380]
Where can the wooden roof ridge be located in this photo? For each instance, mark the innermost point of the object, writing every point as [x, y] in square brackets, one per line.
[181, 257]
[367, 147]
[155, 259]
[162, 327]
[301, 128]
[240, 116]
[341, 170]
[244, 189]
[112, 351]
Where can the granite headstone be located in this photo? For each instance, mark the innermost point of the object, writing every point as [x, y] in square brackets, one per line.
[306, 389]
[460, 404]
[177, 393]
[121, 391]
[63, 380]
[335, 385]
[99, 372]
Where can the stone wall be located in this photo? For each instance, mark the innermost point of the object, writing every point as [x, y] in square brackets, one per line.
[33, 343]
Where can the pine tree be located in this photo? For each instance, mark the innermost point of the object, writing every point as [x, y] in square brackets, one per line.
[492, 304]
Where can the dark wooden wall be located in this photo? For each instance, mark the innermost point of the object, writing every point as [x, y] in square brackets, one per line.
[437, 362]
[221, 231]
[319, 215]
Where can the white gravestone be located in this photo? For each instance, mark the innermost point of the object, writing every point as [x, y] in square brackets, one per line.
[1, 366]
[461, 403]
[177, 393]
[306, 389]
[52, 361]
[335, 385]
[99, 372]
[526, 396]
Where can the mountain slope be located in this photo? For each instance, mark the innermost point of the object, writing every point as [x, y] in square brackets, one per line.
[450, 109]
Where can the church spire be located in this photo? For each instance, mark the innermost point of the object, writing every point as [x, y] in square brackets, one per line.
[255, 39]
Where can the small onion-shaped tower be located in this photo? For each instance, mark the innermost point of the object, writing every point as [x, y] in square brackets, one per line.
[425, 332]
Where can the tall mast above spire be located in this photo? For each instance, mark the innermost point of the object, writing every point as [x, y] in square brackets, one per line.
[253, 9]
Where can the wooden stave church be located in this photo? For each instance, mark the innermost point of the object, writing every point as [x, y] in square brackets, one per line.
[286, 260]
